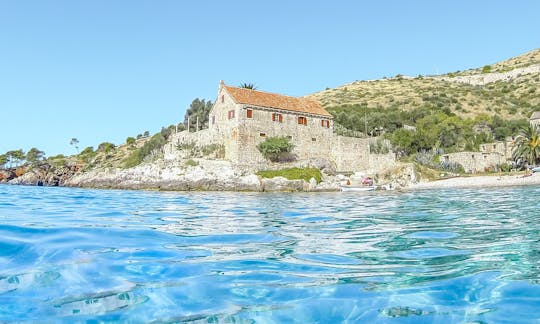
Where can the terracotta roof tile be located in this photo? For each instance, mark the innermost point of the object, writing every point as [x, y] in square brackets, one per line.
[277, 101]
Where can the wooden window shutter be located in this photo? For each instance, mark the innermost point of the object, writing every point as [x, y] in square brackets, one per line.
[274, 117]
[280, 118]
[305, 120]
[249, 113]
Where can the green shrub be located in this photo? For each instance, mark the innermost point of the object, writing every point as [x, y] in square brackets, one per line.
[293, 174]
[505, 167]
[191, 163]
[275, 148]
[106, 147]
[153, 146]
[130, 141]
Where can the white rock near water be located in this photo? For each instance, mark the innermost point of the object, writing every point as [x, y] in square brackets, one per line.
[207, 175]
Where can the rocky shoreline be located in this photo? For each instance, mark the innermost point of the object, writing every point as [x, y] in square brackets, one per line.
[204, 175]
[219, 175]
[209, 175]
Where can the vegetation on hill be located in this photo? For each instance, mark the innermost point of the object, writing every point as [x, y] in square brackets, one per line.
[427, 113]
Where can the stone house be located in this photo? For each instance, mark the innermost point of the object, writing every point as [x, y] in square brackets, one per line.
[535, 118]
[242, 118]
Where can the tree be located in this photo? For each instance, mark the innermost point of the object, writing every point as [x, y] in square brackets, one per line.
[275, 148]
[146, 134]
[34, 156]
[527, 145]
[250, 86]
[75, 143]
[3, 160]
[403, 141]
[199, 109]
[15, 157]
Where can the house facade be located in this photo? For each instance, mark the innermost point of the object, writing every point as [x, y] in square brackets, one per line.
[242, 118]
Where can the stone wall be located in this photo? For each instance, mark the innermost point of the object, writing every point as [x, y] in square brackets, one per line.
[474, 162]
[200, 138]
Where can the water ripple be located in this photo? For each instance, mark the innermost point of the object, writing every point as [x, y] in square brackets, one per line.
[116, 256]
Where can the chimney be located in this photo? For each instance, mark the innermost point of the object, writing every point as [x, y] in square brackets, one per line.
[221, 84]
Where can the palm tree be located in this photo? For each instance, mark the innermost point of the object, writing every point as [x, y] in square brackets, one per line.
[527, 145]
[250, 86]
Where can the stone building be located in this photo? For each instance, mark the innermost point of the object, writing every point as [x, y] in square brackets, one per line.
[242, 118]
[474, 162]
[488, 158]
[535, 118]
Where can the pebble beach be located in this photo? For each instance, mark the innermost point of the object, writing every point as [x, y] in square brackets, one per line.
[480, 182]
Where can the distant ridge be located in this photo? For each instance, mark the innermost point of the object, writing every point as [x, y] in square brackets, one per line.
[510, 88]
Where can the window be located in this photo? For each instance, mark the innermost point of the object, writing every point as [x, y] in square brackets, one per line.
[231, 114]
[213, 120]
[313, 139]
[325, 123]
[277, 117]
[262, 134]
[249, 113]
[302, 120]
[222, 98]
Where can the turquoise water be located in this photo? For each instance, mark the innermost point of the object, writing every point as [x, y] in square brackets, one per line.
[75, 255]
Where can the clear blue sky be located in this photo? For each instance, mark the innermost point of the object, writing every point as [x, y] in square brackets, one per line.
[102, 70]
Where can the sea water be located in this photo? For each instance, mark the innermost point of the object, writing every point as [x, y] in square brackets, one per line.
[77, 255]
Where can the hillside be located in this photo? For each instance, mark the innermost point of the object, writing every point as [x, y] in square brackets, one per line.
[510, 89]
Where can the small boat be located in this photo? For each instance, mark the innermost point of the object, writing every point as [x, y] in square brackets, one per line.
[536, 169]
[358, 188]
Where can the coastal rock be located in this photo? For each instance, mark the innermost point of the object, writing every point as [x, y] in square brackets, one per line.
[399, 177]
[282, 184]
[206, 175]
[328, 186]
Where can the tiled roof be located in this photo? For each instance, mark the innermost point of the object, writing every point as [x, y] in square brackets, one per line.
[535, 115]
[277, 101]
